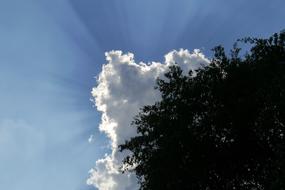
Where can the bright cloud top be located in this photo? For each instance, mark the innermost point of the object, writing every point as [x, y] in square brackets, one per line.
[123, 87]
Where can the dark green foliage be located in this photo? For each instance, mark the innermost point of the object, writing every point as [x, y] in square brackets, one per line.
[218, 129]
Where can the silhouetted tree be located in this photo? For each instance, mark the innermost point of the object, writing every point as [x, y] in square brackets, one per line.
[221, 127]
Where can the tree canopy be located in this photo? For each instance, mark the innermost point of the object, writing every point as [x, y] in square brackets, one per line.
[220, 127]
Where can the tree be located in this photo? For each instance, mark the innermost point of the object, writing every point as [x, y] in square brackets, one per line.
[221, 127]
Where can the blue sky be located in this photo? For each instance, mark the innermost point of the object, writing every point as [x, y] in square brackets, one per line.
[50, 52]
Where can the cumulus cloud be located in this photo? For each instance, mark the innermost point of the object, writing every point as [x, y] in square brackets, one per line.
[124, 86]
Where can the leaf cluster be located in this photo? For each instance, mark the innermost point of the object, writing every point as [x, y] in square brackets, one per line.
[221, 127]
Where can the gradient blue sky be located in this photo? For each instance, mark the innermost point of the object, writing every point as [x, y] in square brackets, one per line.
[50, 52]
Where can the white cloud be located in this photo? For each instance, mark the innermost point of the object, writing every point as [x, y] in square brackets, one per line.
[91, 139]
[123, 87]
